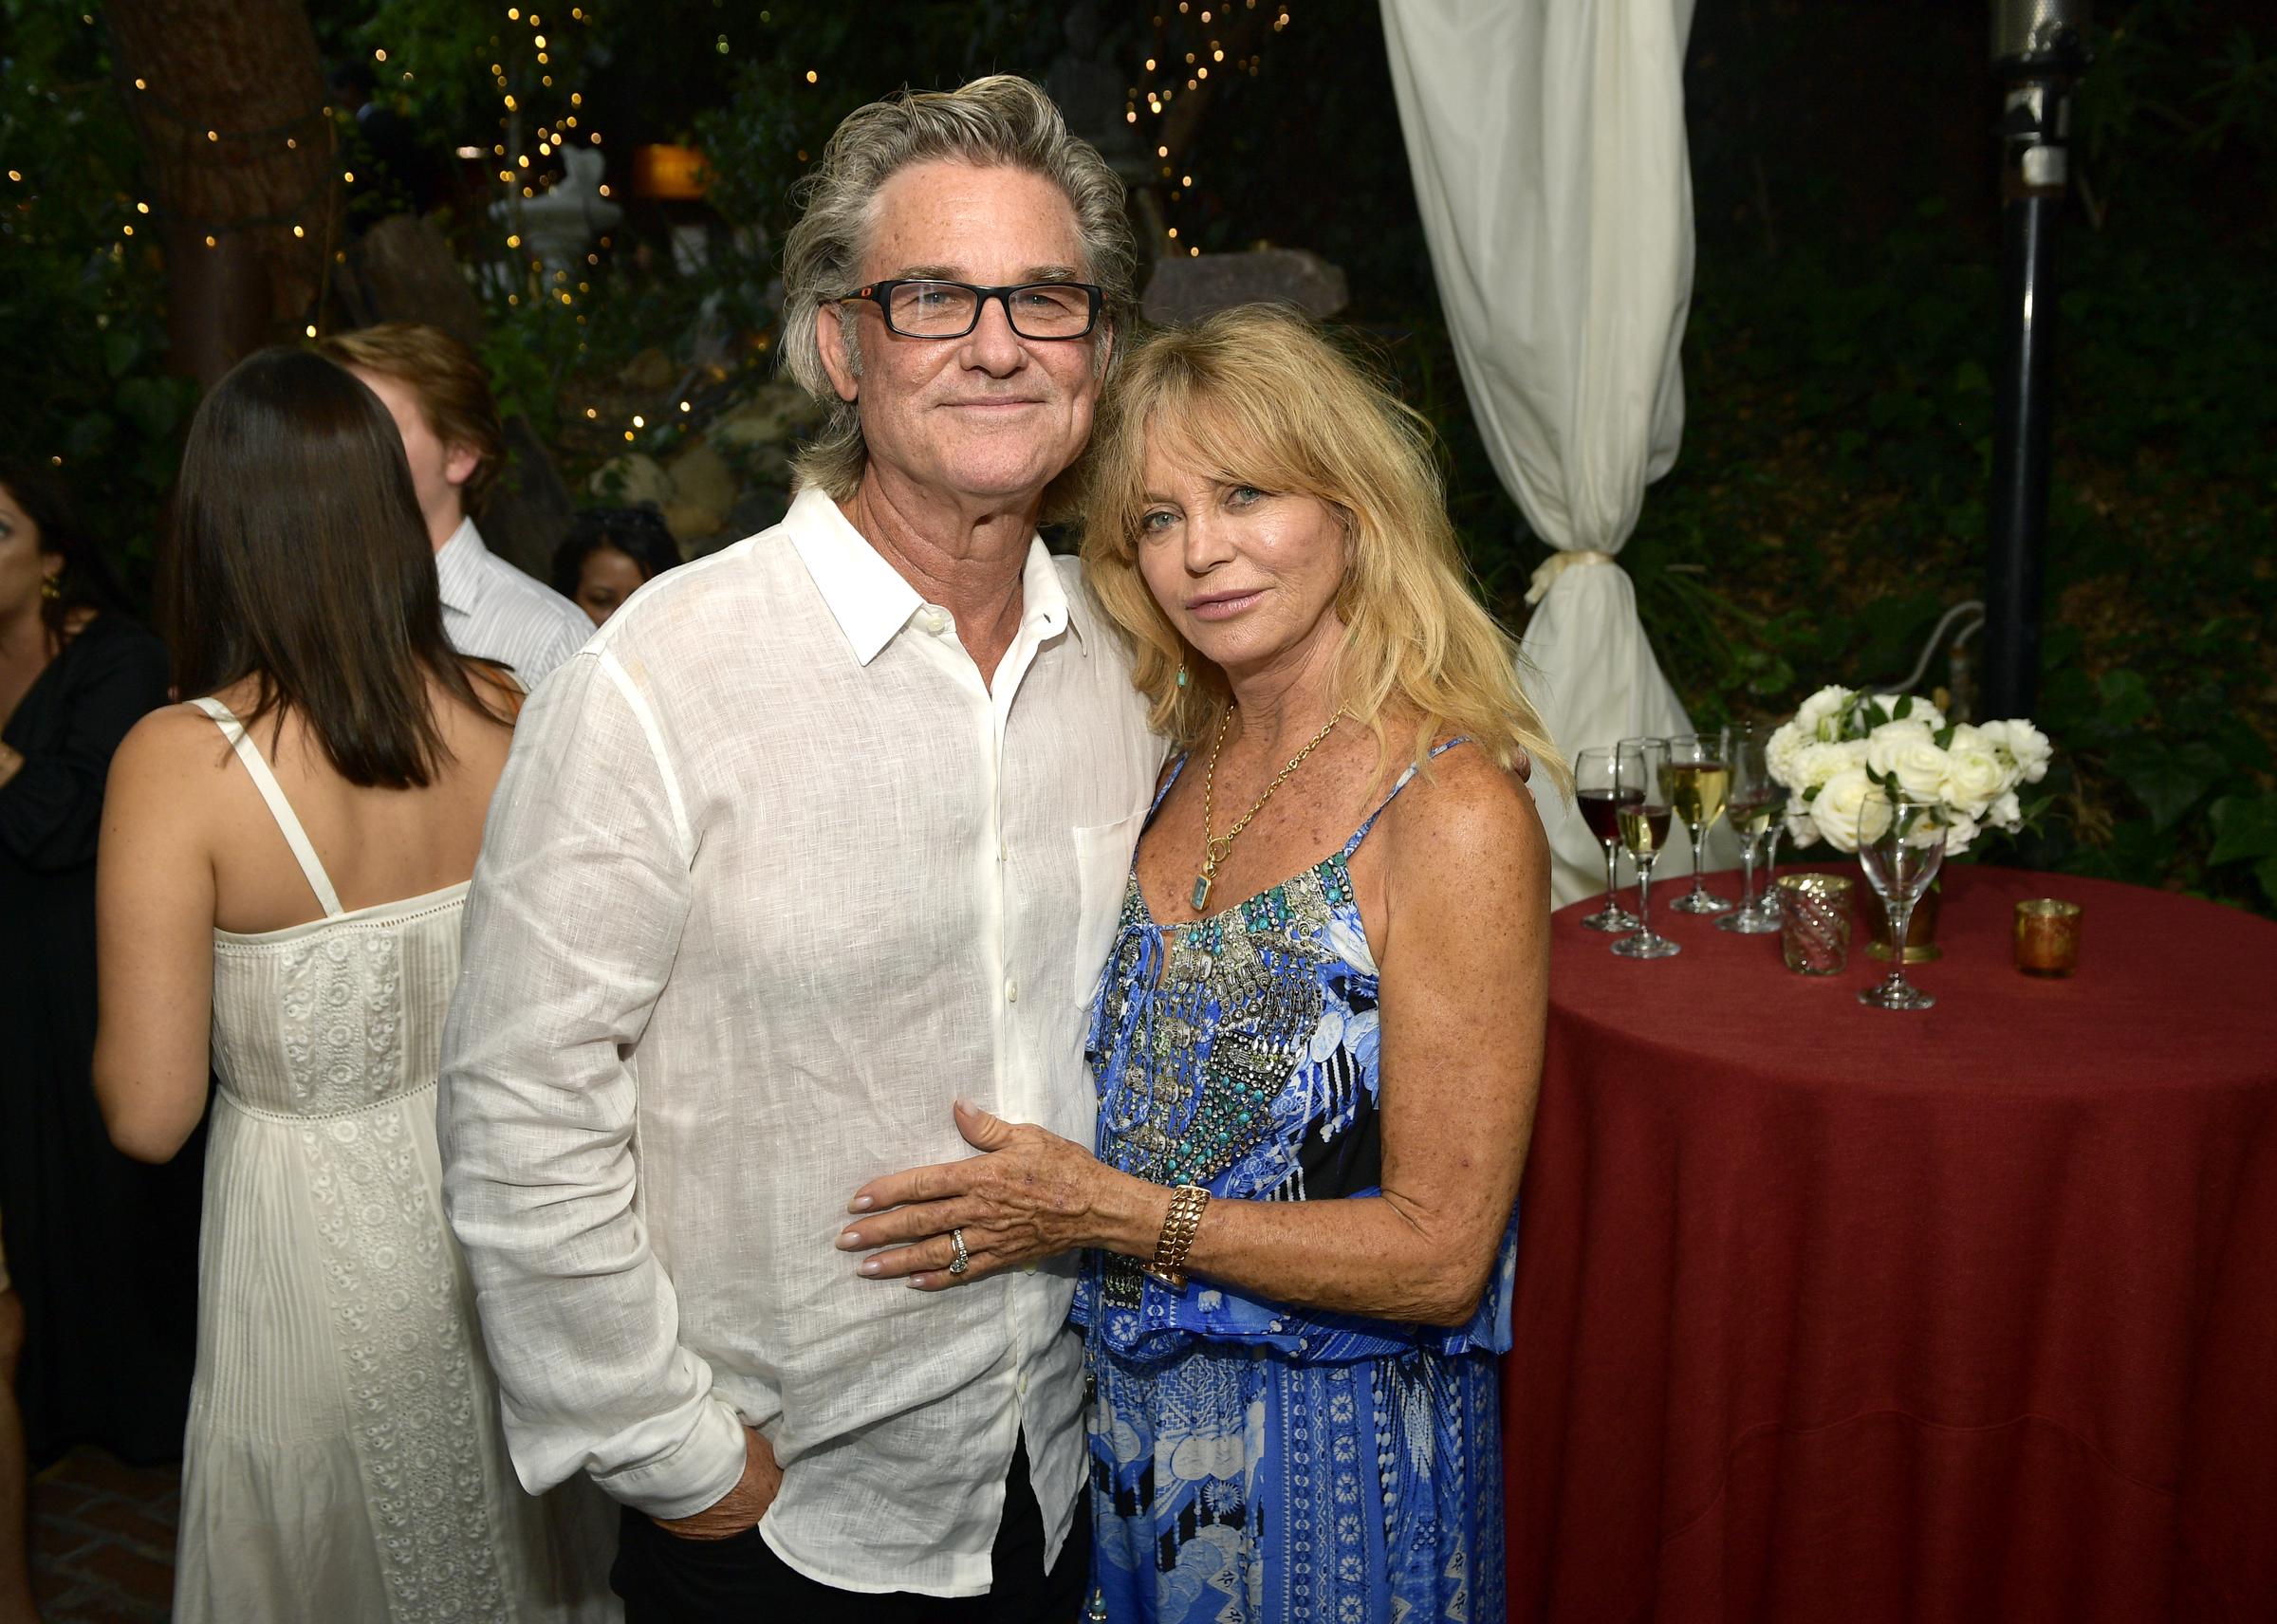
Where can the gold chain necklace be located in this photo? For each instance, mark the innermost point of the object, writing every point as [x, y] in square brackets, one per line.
[1216, 847]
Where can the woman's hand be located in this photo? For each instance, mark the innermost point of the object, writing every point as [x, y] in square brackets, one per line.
[1031, 1195]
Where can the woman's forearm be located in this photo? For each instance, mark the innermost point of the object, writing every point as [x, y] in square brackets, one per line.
[1378, 1256]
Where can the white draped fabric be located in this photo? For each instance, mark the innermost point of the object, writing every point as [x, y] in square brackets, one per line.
[1547, 139]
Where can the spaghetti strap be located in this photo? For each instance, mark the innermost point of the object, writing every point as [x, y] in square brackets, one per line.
[279, 809]
[1437, 751]
[1162, 794]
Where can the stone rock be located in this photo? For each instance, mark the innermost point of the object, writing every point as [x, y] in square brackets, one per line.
[1188, 290]
[649, 370]
[404, 270]
[689, 522]
[628, 480]
[774, 415]
[701, 478]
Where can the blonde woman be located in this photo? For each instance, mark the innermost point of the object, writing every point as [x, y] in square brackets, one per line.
[1318, 1036]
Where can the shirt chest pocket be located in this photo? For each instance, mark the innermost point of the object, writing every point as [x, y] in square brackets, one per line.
[1102, 864]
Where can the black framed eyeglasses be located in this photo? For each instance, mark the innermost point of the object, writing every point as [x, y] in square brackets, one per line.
[922, 308]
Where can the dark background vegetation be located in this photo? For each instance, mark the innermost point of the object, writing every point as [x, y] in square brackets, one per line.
[1829, 502]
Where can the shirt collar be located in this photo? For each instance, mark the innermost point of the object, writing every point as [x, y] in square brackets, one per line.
[459, 567]
[869, 599]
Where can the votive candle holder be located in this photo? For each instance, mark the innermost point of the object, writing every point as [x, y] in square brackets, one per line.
[1814, 922]
[2047, 936]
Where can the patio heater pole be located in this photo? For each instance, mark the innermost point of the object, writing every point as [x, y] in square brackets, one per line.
[2038, 51]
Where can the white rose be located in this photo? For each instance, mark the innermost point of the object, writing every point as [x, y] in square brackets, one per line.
[1779, 752]
[1924, 712]
[1802, 829]
[2003, 814]
[1959, 832]
[2023, 744]
[1907, 752]
[1817, 762]
[1847, 798]
[1974, 774]
[1822, 708]
[1884, 742]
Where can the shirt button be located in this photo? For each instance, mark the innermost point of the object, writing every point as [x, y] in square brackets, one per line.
[1004, 853]
[1011, 991]
[935, 622]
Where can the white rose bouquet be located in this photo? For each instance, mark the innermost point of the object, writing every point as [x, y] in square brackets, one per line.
[1847, 750]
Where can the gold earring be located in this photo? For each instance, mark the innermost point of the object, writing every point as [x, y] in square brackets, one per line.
[51, 588]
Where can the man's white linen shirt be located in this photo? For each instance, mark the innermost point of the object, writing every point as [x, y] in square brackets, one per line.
[494, 611]
[771, 880]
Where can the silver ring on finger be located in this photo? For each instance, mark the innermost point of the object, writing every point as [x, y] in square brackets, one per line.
[963, 1259]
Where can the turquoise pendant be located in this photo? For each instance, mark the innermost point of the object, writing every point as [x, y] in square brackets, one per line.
[1201, 892]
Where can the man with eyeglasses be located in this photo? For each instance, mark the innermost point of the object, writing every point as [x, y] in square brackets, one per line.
[816, 837]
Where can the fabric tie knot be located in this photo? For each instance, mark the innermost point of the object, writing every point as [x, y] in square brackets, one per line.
[1557, 565]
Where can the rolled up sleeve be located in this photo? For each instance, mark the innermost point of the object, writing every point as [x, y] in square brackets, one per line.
[572, 925]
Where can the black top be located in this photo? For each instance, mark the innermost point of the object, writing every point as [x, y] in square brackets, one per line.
[101, 1251]
[65, 726]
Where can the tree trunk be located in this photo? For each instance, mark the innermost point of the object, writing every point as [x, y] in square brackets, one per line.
[228, 97]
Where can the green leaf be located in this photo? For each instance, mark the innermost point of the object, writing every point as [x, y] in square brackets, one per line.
[1812, 793]
[2168, 782]
[1905, 709]
[2126, 698]
[1942, 738]
[150, 404]
[2243, 827]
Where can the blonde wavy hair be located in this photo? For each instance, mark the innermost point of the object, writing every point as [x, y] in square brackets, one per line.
[1258, 396]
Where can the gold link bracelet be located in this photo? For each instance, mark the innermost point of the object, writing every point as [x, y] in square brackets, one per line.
[1179, 1226]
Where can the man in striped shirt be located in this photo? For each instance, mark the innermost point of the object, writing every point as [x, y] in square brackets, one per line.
[436, 391]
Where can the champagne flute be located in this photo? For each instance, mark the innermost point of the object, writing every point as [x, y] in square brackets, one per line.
[1643, 825]
[1605, 778]
[1757, 803]
[1699, 766]
[1900, 845]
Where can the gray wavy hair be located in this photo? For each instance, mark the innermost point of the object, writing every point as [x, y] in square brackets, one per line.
[1000, 119]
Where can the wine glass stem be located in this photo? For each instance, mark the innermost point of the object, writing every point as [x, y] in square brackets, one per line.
[1901, 915]
[1770, 856]
[1644, 897]
[1612, 857]
[1699, 882]
[1747, 865]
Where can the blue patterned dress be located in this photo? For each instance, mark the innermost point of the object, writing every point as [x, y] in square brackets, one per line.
[1252, 1463]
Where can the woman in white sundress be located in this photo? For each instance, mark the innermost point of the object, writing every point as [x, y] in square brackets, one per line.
[282, 868]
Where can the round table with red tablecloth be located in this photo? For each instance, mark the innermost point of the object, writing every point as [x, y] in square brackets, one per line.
[1833, 1315]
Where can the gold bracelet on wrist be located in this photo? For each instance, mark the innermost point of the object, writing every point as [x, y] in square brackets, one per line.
[1179, 1226]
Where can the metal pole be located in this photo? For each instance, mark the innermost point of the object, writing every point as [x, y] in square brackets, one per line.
[2038, 52]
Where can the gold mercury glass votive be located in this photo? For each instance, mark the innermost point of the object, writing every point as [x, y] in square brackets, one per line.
[1814, 922]
[2047, 936]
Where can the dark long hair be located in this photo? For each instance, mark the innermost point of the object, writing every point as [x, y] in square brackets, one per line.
[299, 560]
[639, 533]
[86, 582]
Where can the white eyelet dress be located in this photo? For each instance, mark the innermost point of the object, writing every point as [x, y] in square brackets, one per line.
[343, 1460]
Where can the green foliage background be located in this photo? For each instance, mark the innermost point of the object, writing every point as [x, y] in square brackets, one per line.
[1828, 504]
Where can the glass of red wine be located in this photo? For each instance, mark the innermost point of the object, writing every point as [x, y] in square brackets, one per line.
[1643, 825]
[1605, 778]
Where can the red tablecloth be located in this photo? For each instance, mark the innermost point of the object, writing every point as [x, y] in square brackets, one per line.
[1836, 1315]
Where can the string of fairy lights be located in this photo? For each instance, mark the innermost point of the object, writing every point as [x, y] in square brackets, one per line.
[1185, 72]
[524, 50]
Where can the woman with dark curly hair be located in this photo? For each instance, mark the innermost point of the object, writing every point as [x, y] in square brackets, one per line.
[609, 554]
[101, 1252]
